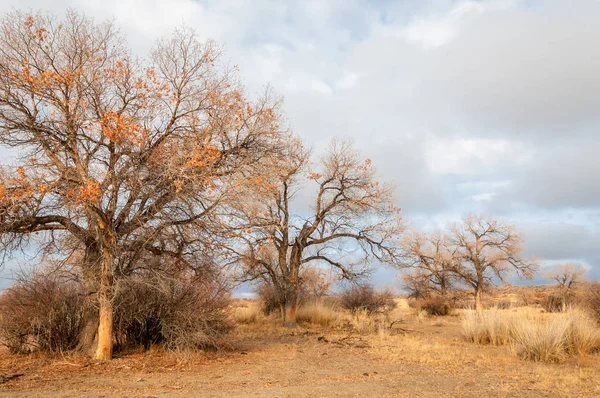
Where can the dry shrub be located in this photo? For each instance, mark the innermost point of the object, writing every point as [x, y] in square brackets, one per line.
[561, 336]
[504, 304]
[557, 303]
[45, 311]
[248, 313]
[366, 298]
[315, 284]
[41, 312]
[318, 312]
[435, 306]
[590, 300]
[269, 298]
[365, 322]
[550, 338]
[179, 311]
[493, 326]
[412, 303]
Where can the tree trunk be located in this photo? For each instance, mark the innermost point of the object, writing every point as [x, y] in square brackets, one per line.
[105, 321]
[87, 337]
[478, 303]
[443, 288]
[289, 311]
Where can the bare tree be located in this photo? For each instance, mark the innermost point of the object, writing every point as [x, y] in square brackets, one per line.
[566, 275]
[429, 262]
[119, 157]
[485, 250]
[352, 221]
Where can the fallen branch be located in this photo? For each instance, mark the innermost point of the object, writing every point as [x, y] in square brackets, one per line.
[7, 378]
[400, 321]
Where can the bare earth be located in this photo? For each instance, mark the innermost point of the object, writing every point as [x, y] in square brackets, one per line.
[264, 360]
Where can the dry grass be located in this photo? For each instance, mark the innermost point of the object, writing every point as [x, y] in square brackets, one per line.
[317, 312]
[247, 312]
[533, 335]
[357, 354]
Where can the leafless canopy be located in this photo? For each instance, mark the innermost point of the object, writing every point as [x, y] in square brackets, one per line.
[566, 275]
[429, 261]
[478, 252]
[120, 156]
[352, 221]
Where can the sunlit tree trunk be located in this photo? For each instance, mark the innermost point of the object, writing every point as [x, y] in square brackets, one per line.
[478, 303]
[105, 320]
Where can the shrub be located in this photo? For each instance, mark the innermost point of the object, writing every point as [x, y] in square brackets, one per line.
[269, 298]
[591, 300]
[179, 311]
[556, 303]
[560, 336]
[41, 312]
[365, 297]
[436, 306]
[503, 304]
[44, 312]
[314, 285]
[545, 342]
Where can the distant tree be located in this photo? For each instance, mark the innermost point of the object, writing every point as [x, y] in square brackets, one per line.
[351, 214]
[416, 283]
[119, 158]
[566, 275]
[484, 250]
[429, 262]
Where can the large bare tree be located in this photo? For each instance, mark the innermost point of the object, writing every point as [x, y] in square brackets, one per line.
[351, 221]
[484, 251]
[119, 157]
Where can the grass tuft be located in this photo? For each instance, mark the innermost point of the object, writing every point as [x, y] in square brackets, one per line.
[534, 336]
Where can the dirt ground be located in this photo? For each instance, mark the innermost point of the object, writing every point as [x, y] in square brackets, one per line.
[423, 358]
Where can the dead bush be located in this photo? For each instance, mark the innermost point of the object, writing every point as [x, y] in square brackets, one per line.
[503, 304]
[557, 303]
[41, 312]
[366, 298]
[590, 300]
[178, 311]
[435, 306]
[314, 286]
[269, 298]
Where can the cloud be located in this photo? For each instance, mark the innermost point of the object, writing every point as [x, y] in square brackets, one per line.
[557, 177]
[554, 242]
[469, 105]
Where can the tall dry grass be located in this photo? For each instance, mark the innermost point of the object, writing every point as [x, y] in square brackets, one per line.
[250, 312]
[317, 312]
[533, 335]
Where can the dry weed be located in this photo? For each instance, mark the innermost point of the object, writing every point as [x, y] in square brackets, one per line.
[317, 312]
[534, 336]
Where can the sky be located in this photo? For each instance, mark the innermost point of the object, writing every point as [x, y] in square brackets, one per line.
[470, 106]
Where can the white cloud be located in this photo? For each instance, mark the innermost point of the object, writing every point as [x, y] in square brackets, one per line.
[321, 87]
[468, 105]
[346, 81]
[472, 156]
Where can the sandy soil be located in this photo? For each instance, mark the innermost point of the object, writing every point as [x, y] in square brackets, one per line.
[268, 361]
